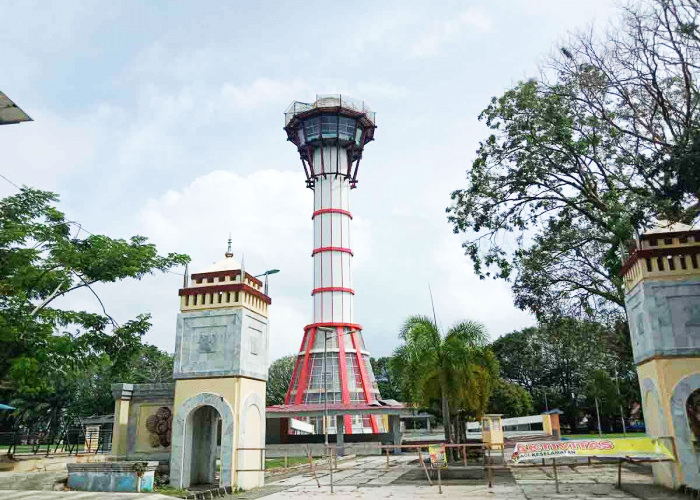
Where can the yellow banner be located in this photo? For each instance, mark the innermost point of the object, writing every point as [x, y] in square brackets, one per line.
[438, 458]
[639, 448]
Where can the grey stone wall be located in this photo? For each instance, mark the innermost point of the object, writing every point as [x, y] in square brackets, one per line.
[664, 318]
[221, 344]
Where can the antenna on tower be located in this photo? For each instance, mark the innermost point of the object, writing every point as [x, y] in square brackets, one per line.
[229, 253]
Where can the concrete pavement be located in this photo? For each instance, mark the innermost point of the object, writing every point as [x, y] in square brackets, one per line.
[369, 477]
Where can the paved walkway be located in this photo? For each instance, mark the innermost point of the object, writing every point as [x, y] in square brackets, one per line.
[369, 477]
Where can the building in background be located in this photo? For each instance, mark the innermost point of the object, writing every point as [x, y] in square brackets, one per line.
[10, 113]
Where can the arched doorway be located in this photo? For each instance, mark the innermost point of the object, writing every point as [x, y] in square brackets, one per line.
[692, 409]
[204, 422]
[684, 413]
[194, 442]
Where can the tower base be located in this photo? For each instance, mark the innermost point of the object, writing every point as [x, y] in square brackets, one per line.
[349, 375]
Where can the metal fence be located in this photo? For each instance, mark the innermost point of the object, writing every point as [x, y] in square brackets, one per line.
[71, 442]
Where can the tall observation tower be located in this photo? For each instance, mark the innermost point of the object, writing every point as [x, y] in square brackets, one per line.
[330, 135]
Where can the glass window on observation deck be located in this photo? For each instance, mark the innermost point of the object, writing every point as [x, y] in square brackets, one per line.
[312, 129]
[346, 128]
[329, 126]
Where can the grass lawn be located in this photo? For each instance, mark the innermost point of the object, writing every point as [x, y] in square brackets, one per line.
[608, 435]
[170, 491]
[275, 463]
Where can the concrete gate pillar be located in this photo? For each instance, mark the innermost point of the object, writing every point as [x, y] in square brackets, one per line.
[395, 432]
[340, 435]
[221, 361]
[662, 298]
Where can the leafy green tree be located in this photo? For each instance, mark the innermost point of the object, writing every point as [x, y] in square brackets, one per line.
[388, 377]
[435, 366]
[279, 375]
[558, 359]
[510, 399]
[520, 357]
[578, 161]
[602, 395]
[43, 258]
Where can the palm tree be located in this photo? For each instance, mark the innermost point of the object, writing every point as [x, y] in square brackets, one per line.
[434, 366]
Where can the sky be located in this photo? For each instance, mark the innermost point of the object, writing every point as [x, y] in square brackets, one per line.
[164, 119]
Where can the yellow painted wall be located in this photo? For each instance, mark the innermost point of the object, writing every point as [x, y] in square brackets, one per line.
[226, 387]
[253, 438]
[666, 373]
[235, 391]
[547, 425]
[120, 430]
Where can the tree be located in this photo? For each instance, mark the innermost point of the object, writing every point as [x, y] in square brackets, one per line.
[559, 358]
[434, 366]
[40, 261]
[279, 375]
[520, 357]
[388, 377]
[580, 159]
[602, 394]
[510, 399]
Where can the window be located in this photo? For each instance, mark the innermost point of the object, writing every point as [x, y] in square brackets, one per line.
[316, 377]
[353, 369]
[312, 129]
[346, 128]
[329, 126]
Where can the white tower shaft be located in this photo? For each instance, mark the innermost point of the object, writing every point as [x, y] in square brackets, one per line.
[332, 254]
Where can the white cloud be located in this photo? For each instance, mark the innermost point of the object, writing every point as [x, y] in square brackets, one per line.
[472, 20]
[268, 215]
[262, 91]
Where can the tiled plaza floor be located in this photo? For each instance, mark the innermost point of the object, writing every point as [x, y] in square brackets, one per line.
[370, 478]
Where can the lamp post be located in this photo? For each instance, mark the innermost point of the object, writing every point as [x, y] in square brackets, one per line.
[619, 398]
[266, 274]
[325, 404]
[325, 385]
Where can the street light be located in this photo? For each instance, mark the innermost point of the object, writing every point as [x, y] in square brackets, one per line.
[266, 274]
[325, 385]
[11, 113]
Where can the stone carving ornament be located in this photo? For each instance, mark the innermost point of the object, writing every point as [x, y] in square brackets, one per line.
[160, 425]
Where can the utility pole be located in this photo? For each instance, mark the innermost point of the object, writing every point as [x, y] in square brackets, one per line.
[325, 389]
[619, 397]
[597, 414]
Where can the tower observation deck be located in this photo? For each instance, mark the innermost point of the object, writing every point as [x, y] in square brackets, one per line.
[330, 135]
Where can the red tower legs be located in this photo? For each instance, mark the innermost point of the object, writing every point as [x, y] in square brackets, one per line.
[348, 387]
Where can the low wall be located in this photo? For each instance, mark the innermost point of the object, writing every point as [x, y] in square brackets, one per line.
[45, 481]
[318, 449]
[110, 476]
[40, 463]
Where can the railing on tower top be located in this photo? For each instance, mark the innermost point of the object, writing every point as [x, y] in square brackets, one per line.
[328, 101]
